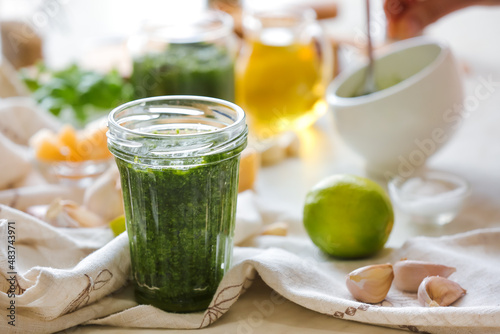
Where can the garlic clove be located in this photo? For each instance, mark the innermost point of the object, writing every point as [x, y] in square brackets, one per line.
[273, 155]
[439, 291]
[56, 215]
[408, 274]
[83, 216]
[370, 284]
[278, 229]
[66, 213]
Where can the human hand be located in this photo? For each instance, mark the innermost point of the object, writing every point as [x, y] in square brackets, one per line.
[407, 18]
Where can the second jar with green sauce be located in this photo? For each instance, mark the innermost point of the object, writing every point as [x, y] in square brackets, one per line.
[178, 158]
[191, 55]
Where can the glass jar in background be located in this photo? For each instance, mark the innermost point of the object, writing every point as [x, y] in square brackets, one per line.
[283, 70]
[191, 55]
[178, 158]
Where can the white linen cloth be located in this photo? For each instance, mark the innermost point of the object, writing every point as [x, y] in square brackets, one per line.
[20, 118]
[10, 84]
[67, 277]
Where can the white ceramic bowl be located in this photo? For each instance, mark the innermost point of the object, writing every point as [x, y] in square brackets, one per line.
[397, 128]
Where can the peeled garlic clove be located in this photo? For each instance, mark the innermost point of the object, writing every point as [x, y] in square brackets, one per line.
[273, 155]
[408, 274]
[55, 215]
[439, 291]
[370, 284]
[83, 216]
[66, 213]
[278, 229]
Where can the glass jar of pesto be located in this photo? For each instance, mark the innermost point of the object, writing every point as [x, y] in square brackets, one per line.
[178, 158]
[191, 55]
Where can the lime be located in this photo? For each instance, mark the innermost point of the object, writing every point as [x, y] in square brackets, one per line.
[117, 225]
[348, 216]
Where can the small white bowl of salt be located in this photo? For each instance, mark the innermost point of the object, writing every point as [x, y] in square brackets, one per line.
[431, 197]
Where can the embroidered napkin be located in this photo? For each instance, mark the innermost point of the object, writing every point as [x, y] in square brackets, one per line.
[65, 277]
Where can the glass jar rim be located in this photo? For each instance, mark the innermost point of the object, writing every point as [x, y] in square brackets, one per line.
[202, 26]
[239, 121]
[219, 128]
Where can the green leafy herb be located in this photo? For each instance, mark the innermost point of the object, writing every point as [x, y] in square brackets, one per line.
[86, 94]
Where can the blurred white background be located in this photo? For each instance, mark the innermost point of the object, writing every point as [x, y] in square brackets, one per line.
[72, 27]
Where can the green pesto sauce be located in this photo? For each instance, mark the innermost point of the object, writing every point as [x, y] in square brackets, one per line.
[193, 69]
[180, 224]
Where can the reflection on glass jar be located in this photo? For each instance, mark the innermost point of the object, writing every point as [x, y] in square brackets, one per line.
[282, 72]
[193, 55]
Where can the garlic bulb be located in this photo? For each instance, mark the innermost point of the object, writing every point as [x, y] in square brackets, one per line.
[439, 291]
[408, 274]
[370, 284]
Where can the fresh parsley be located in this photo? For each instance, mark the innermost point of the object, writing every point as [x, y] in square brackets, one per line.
[81, 93]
